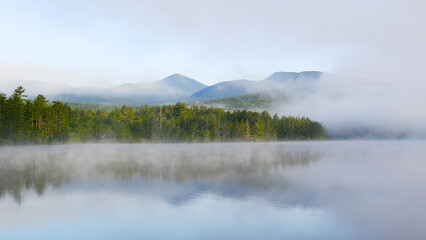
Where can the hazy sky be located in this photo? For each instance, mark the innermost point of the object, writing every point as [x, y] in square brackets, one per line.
[83, 42]
[127, 41]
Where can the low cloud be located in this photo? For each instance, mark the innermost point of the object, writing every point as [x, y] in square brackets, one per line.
[351, 107]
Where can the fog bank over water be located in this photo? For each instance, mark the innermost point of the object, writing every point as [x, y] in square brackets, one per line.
[214, 167]
[352, 107]
[346, 189]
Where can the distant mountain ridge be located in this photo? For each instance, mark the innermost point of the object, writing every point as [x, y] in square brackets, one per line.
[173, 88]
[274, 82]
[225, 89]
[169, 89]
[294, 76]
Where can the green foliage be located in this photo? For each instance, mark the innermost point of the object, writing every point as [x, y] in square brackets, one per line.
[25, 120]
[95, 106]
[256, 101]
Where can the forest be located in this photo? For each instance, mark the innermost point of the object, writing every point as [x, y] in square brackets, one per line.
[255, 101]
[24, 120]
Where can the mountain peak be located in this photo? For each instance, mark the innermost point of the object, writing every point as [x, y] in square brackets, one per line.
[282, 75]
[182, 82]
[176, 76]
[285, 76]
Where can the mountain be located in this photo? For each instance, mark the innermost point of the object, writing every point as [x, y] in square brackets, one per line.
[279, 81]
[184, 84]
[301, 77]
[173, 88]
[33, 88]
[225, 89]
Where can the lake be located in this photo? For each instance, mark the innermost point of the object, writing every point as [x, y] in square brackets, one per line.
[290, 190]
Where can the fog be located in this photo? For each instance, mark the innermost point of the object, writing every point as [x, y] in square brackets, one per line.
[131, 41]
[378, 90]
[223, 165]
[342, 189]
[351, 107]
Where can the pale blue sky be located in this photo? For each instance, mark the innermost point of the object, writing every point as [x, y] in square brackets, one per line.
[111, 42]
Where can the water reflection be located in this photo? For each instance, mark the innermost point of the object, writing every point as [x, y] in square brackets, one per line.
[231, 169]
[309, 190]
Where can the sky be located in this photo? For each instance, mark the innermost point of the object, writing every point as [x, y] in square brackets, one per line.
[108, 42]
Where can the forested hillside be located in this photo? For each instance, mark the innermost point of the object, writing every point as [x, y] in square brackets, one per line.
[256, 101]
[38, 121]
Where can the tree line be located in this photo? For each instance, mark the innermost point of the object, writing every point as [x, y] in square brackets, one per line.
[38, 121]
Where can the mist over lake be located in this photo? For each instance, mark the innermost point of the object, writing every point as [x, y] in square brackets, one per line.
[303, 190]
[225, 119]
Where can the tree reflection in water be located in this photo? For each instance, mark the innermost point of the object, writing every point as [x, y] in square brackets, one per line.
[247, 166]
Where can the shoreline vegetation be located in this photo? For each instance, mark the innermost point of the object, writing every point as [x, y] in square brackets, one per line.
[37, 121]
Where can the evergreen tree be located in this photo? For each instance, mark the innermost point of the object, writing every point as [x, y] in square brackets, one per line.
[37, 120]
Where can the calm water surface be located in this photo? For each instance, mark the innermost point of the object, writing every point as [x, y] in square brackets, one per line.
[296, 190]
